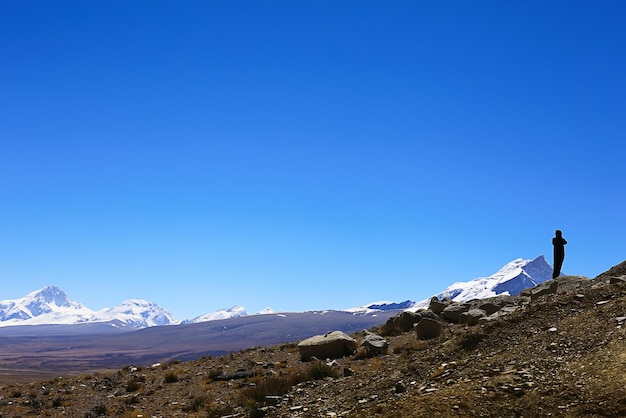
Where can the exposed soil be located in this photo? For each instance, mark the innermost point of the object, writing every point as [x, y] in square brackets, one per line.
[561, 355]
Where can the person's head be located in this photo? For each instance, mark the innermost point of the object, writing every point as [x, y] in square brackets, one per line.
[558, 233]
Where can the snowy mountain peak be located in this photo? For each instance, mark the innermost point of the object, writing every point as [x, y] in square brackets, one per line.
[234, 312]
[138, 313]
[49, 305]
[49, 295]
[511, 279]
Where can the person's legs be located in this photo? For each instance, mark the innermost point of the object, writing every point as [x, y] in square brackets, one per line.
[557, 268]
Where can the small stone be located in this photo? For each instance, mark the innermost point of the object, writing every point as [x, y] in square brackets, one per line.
[553, 329]
[400, 387]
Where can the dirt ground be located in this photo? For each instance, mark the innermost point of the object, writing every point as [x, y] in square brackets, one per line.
[563, 354]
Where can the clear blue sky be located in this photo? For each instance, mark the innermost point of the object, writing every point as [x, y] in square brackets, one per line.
[304, 154]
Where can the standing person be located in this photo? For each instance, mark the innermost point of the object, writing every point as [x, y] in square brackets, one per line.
[559, 252]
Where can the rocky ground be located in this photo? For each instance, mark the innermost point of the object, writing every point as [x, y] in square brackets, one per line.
[561, 354]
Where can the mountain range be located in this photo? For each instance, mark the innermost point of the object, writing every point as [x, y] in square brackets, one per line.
[51, 305]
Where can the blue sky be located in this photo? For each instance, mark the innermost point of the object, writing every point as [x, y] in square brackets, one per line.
[304, 155]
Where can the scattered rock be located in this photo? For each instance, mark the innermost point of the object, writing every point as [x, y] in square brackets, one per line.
[489, 308]
[617, 280]
[400, 387]
[472, 317]
[437, 306]
[428, 328]
[239, 374]
[334, 344]
[545, 288]
[400, 323]
[495, 316]
[453, 312]
[374, 344]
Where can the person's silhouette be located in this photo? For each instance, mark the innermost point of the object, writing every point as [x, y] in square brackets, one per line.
[559, 252]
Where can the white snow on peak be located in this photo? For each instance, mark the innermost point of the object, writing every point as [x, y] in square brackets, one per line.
[384, 305]
[511, 279]
[234, 312]
[138, 313]
[51, 305]
[266, 311]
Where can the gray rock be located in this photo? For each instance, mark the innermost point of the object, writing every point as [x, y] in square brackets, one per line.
[428, 328]
[374, 344]
[497, 315]
[437, 306]
[545, 288]
[429, 314]
[474, 315]
[453, 312]
[400, 323]
[334, 344]
[617, 280]
[239, 374]
[400, 387]
[490, 308]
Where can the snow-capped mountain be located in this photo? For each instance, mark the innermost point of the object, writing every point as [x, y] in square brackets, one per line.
[234, 312]
[381, 306]
[266, 311]
[511, 279]
[51, 305]
[137, 313]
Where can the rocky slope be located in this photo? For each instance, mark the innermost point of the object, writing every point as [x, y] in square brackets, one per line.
[561, 352]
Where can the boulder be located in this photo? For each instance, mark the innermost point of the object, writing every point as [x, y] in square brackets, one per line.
[617, 280]
[428, 328]
[497, 315]
[472, 316]
[437, 306]
[545, 288]
[374, 344]
[453, 312]
[429, 314]
[334, 344]
[489, 307]
[400, 323]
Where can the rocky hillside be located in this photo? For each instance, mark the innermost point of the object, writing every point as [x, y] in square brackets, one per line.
[556, 350]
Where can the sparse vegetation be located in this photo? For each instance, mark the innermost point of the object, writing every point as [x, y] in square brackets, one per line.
[561, 355]
[171, 377]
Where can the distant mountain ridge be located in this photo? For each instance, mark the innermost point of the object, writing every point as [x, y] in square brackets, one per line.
[51, 305]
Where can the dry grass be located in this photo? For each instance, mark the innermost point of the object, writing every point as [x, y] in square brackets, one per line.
[561, 355]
